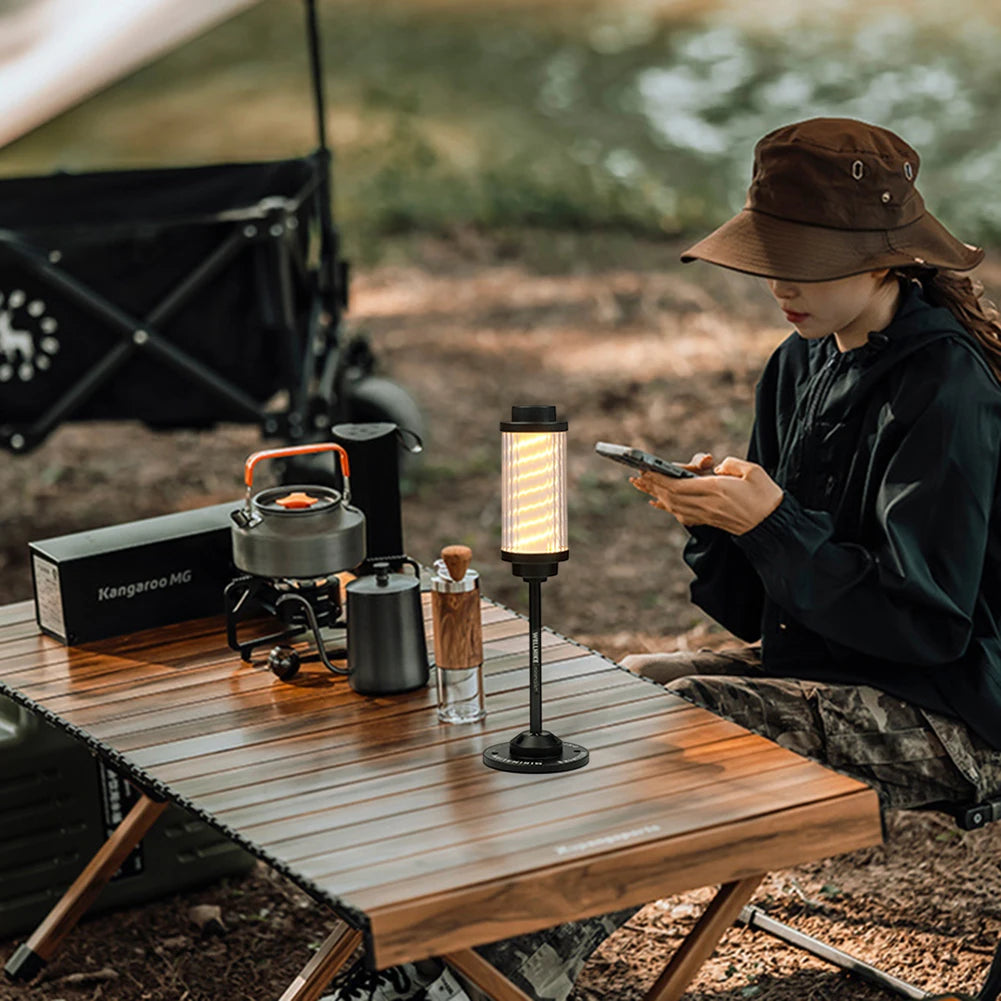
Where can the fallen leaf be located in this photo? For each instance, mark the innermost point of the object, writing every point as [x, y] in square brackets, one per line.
[207, 918]
[89, 976]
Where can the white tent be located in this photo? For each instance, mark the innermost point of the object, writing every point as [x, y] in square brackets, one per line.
[55, 53]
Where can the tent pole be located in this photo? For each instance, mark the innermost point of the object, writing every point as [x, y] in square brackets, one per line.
[316, 70]
[332, 275]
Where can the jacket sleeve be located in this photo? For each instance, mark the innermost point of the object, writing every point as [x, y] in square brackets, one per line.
[909, 594]
[727, 586]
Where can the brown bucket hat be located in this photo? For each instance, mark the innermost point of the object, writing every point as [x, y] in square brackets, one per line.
[829, 198]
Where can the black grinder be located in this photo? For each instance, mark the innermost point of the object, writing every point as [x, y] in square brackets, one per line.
[373, 450]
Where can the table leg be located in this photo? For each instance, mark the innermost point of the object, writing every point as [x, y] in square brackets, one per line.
[703, 939]
[31, 957]
[484, 975]
[320, 970]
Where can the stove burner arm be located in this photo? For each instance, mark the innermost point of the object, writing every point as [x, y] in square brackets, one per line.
[311, 618]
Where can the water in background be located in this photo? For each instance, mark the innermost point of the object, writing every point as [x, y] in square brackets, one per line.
[626, 114]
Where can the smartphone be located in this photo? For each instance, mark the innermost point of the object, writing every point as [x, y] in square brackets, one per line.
[641, 460]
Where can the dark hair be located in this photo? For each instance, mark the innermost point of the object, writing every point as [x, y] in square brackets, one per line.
[963, 297]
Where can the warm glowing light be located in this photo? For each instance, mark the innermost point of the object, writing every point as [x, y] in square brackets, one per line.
[533, 501]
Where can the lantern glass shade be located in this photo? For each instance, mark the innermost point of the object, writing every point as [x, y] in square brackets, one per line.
[533, 492]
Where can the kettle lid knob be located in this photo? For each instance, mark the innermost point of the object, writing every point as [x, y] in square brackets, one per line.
[381, 573]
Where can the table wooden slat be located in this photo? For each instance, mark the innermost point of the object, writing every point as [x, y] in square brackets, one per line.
[192, 697]
[373, 803]
[321, 751]
[191, 740]
[405, 760]
[395, 771]
[482, 825]
[475, 833]
[414, 732]
[433, 803]
[19, 611]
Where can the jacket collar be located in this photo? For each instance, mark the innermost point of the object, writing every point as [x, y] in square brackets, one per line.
[915, 323]
[915, 314]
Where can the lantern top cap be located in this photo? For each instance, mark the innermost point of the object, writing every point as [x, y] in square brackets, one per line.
[533, 417]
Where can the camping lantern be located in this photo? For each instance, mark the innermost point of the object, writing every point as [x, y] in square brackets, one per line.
[534, 541]
[534, 491]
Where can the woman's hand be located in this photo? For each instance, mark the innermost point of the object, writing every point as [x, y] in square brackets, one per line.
[737, 498]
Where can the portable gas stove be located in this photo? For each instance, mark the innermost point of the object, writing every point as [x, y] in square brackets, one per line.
[301, 606]
[291, 542]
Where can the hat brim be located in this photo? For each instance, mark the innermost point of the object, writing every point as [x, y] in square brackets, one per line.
[764, 245]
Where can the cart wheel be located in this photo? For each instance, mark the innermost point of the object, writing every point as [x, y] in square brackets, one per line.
[373, 398]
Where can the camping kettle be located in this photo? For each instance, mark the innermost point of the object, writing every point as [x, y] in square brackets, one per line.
[387, 649]
[297, 531]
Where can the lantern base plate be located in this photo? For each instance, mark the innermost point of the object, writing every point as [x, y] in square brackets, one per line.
[553, 756]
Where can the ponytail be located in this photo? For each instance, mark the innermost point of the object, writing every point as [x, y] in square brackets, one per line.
[963, 297]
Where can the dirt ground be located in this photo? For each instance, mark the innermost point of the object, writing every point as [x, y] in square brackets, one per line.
[632, 347]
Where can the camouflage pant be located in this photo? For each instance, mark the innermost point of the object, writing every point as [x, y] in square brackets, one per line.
[543, 964]
[910, 756]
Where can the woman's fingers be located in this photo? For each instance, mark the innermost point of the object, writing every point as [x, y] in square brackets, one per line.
[738, 497]
[651, 483]
[699, 462]
[732, 466]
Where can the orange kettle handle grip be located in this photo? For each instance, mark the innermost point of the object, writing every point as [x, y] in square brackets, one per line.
[276, 453]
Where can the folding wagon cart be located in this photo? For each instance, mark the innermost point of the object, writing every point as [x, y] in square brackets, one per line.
[181, 297]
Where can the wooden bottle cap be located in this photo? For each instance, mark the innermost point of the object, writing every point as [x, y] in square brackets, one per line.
[457, 559]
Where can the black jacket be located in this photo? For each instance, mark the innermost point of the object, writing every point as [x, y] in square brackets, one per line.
[882, 564]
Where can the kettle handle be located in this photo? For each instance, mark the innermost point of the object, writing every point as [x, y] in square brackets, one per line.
[384, 563]
[275, 453]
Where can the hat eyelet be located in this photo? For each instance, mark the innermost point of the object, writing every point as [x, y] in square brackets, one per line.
[908, 170]
[858, 170]
[885, 196]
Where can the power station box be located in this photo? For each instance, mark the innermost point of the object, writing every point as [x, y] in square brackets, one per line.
[58, 804]
[139, 575]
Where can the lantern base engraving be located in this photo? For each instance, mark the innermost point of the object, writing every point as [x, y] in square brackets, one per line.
[536, 752]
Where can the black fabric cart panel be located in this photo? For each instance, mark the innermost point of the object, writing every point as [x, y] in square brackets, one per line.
[132, 238]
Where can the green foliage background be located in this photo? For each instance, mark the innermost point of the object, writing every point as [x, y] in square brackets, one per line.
[632, 115]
